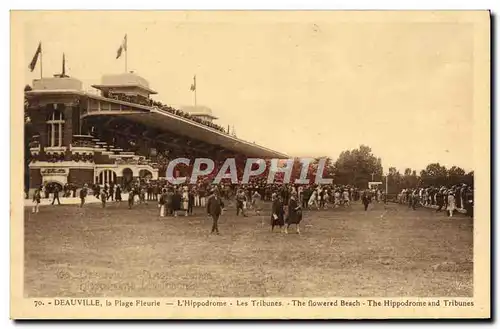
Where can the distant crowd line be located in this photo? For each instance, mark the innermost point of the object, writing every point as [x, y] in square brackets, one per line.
[451, 199]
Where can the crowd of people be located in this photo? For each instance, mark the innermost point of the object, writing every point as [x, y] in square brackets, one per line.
[195, 195]
[451, 198]
[287, 200]
[149, 102]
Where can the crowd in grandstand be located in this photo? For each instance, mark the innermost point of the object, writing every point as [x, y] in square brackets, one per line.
[149, 102]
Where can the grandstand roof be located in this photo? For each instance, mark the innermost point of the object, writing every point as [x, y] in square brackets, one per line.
[130, 79]
[199, 110]
[185, 127]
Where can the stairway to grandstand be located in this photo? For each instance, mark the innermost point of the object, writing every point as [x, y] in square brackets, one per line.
[109, 154]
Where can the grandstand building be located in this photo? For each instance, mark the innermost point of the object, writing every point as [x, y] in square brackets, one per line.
[118, 133]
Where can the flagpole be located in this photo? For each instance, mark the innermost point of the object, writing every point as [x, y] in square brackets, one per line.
[195, 88]
[126, 51]
[41, 64]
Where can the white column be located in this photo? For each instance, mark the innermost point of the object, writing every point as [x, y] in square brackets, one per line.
[60, 134]
[52, 134]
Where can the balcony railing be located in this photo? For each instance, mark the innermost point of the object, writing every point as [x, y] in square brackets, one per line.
[82, 141]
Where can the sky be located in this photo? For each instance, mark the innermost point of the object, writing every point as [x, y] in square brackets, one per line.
[306, 84]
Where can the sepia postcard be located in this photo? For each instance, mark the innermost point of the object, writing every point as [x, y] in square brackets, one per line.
[250, 164]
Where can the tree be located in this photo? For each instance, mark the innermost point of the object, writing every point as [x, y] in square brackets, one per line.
[434, 175]
[355, 167]
[456, 175]
[469, 179]
[395, 181]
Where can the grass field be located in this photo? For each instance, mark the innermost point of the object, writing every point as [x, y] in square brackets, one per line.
[385, 252]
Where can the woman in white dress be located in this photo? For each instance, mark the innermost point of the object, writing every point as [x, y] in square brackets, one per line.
[313, 200]
[256, 200]
[185, 200]
[451, 203]
[337, 198]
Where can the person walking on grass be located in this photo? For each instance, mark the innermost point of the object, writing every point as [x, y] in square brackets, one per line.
[37, 196]
[162, 202]
[215, 208]
[451, 204]
[83, 195]
[278, 212]
[257, 202]
[104, 197]
[56, 196]
[294, 215]
[131, 195]
[366, 199]
[118, 193]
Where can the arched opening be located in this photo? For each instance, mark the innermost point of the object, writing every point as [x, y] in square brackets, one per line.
[107, 177]
[128, 177]
[145, 174]
[51, 186]
[55, 129]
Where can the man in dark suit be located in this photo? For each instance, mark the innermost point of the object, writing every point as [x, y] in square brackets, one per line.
[56, 195]
[366, 199]
[215, 206]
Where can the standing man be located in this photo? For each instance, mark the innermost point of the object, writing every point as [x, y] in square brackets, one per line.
[56, 195]
[469, 202]
[131, 195]
[36, 200]
[278, 212]
[415, 199]
[366, 199]
[118, 193]
[83, 195]
[240, 199]
[215, 207]
[111, 193]
[168, 202]
[176, 202]
[191, 199]
[104, 197]
[439, 200]
[162, 202]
